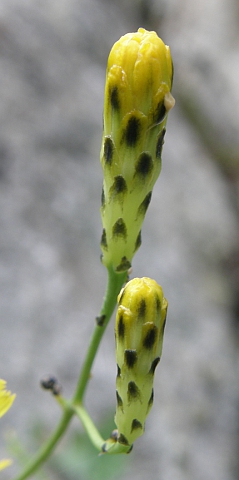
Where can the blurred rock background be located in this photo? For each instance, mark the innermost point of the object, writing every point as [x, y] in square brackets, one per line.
[53, 55]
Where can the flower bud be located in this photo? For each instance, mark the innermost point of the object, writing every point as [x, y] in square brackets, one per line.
[137, 99]
[139, 330]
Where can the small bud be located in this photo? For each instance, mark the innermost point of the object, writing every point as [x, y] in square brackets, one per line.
[51, 383]
[137, 99]
[139, 330]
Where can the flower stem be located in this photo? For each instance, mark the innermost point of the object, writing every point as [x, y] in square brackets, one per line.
[115, 282]
[90, 427]
[47, 448]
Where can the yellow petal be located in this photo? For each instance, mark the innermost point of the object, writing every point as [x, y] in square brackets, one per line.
[6, 398]
[139, 66]
[5, 463]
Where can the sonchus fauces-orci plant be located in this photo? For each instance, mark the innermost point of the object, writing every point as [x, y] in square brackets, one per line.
[137, 99]
[139, 330]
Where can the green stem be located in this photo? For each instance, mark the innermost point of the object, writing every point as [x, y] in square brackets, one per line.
[115, 282]
[47, 447]
[110, 446]
[90, 427]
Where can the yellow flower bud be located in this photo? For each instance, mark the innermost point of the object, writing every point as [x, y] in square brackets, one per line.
[139, 330]
[137, 99]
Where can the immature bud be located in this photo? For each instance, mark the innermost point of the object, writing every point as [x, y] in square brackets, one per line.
[139, 330]
[51, 383]
[137, 99]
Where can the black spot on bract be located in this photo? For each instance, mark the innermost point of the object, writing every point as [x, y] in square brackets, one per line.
[160, 142]
[124, 265]
[159, 113]
[150, 338]
[121, 327]
[133, 391]
[141, 309]
[119, 399]
[103, 448]
[103, 240]
[157, 304]
[118, 371]
[102, 198]
[151, 399]
[114, 98]
[154, 365]
[119, 185]
[144, 205]
[132, 132]
[130, 357]
[164, 324]
[138, 242]
[108, 150]
[144, 165]
[122, 439]
[135, 425]
[172, 73]
[119, 229]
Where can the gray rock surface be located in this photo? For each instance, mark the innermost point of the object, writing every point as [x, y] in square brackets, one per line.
[52, 67]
